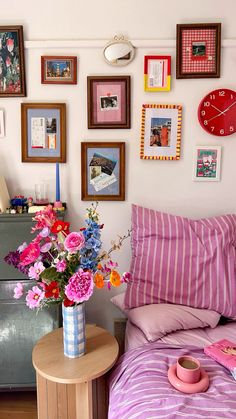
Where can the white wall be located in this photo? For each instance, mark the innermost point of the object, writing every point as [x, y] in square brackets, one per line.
[163, 185]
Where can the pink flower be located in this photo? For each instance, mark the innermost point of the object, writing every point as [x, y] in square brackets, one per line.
[34, 297]
[22, 247]
[80, 286]
[44, 218]
[10, 44]
[126, 277]
[35, 271]
[46, 247]
[61, 266]
[18, 290]
[29, 254]
[73, 242]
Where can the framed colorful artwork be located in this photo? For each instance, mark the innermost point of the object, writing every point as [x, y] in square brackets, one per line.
[108, 101]
[58, 70]
[157, 73]
[12, 64]
[161, 132]
[207, 161]
[103, 171]
[198, 50]
[43, 132]
[2, 129]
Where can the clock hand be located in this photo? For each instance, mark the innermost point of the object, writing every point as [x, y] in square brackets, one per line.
[232, 104]
[216, 116]
[217, 109]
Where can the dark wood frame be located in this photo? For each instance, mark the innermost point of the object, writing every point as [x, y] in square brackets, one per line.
[91, 122]
[84, 181]
[193, 26]
[46, 58]
[24, 132]
[19, 30]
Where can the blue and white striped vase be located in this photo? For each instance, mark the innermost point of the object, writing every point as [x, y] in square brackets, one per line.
[74, 330]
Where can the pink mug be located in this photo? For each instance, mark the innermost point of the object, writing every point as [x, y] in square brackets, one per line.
[188, 369]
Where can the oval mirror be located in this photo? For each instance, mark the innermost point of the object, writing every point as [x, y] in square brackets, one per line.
[119, 52]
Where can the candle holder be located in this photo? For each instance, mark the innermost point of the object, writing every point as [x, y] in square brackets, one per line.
[58, 206]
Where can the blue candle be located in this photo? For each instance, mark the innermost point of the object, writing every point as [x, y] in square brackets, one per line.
[57, 183]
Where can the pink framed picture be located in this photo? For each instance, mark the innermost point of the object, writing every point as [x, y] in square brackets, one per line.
[157, 73]
[108, 101]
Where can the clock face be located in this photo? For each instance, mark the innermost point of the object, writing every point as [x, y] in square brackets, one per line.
[217, 112]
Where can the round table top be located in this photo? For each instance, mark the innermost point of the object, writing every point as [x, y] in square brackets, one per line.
[51, 363]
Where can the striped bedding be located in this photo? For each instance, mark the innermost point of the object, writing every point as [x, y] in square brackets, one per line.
[139, 388]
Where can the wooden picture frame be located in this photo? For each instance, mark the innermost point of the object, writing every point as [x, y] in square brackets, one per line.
[12, 77]
[58, 69]
[108, 102]
[198, 49]
[157, 73]
[43, 132]
[103, 171]
[207, 163]
[160, 132]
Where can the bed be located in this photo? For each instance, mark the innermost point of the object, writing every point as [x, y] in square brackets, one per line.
[173, 311]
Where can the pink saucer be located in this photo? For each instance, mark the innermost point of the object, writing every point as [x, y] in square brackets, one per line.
[199, 387]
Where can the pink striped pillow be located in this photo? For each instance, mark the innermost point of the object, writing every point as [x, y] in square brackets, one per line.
[183, 261]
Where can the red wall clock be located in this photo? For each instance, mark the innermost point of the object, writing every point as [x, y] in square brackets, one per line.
[217, 112]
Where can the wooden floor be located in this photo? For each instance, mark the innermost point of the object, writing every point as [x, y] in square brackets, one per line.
[18, 405]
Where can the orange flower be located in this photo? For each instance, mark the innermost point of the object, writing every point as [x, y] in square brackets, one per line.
[115, 279]
[99, 266]
[98, 280]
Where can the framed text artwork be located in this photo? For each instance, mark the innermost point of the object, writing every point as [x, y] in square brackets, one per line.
[198, 50]
[207, 161]
[103, 171]
[58, 70]
[43, 132]
[161, 132]
[108, 101]
[12, 65]
[157, 73]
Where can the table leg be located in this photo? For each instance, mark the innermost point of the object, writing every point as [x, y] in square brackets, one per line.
[84, 401]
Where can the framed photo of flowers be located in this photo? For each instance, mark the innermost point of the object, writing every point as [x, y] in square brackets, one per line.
[198, 50]
[43, 132]
[103, 171]
[58, 70]
[207, 163]
[157, 73]
[161, 132]
[108, 101]
[12, 64]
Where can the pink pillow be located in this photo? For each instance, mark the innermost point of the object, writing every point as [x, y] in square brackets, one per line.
[183, 261]
[157, 320]
[119, 301]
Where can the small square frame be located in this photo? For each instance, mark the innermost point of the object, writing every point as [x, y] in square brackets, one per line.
[161, 132]
[198, 50]
[58, 69]
[43, 132]
[157, 73]
[108, 102]
[103, 171]
[207, 163]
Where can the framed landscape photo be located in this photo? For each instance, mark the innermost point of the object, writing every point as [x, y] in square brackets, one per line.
[161, 132]
[58, 70]
[43, 132]
[207, 162]
[103, 171]
[198, 50]
[108, 101]
[12, 64]
[157, 73]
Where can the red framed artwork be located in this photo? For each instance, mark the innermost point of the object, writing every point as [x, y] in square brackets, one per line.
[198, 50]
[157, 73]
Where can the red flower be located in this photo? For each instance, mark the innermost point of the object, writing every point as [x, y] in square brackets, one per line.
[68, 303]
[60, 226]
[52, 290]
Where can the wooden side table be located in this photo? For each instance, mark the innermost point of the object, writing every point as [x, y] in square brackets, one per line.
[64, 385]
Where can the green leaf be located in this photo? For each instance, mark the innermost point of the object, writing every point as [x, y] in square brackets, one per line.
[50, 274]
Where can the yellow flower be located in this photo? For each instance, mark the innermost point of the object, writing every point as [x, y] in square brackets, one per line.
[115, 279]
[98, 280]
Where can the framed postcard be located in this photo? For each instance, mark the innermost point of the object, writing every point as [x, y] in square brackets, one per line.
[198, 50]
[2, 129]
[103, 171]
[207, 161]
[108, 102]
[157, 73]
[161, 132]
[43, 132]
[12, 65]
[58, 70]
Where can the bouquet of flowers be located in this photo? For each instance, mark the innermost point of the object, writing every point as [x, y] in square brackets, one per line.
[65, 265]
